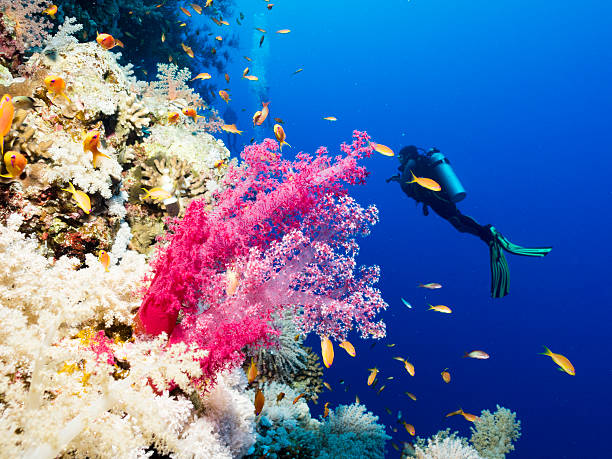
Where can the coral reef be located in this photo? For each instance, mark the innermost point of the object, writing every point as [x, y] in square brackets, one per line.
[447, 448]
[493, 434]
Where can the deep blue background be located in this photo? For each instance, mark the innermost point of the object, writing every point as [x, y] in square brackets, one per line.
[517, 94]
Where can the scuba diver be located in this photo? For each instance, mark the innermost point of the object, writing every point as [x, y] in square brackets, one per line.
[433, 164]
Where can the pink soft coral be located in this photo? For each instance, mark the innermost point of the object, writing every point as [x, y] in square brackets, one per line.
[286, 228]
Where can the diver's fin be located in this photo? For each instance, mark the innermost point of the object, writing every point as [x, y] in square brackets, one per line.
[500, 274]
[517, 249]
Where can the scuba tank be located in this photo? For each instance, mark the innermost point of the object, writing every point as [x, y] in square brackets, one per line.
[445, 175]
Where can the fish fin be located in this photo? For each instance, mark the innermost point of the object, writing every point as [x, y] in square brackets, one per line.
[547, 352]
[146, 195]
[70, 188]
[413, 177]
[430, 306]
[65, 97]
[119, 43]
[465, 355]
[285, 143]
[8, 176]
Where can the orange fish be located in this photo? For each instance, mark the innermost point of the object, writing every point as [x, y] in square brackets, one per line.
[252, 371]
[202, 76]
[327, 350]
[411, 395]
[191, 113]
[259, 401]
[225, 96]
[562, 361]
[330, 118]
[104, 258]
[296, 399]
[481, 355]
[227, 77]
[409, 367]
[15, 164]
[185, 11]
[82, 200]
[216, 21]
[245, 72]
[260, 29]
[326, 410]
[7, 111]
[446, 376]
[409, 428]
[280, 396]
[425, 182]
[231, 128]
[430, 286]
[163, 37]
[208, 3]
[468, 416]
[219, 38]
[279, 132]
[440, 308]
[107, 41]
[223, 22]
[188, 50]
[51, 11]
[348, 347]
[382, 149]
[372, 377]
[283, 31]
[56, 85]
[251, 77]
[248, 58]
[269, 5]
[156, 194]
[260, 115]
[92, 143]
[196, 8]
[173, 117]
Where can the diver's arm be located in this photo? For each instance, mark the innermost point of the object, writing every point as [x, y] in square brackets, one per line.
[395, 178]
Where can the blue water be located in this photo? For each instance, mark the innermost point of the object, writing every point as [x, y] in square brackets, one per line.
[517, 94]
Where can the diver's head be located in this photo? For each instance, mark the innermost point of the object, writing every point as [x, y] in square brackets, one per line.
[406, 153]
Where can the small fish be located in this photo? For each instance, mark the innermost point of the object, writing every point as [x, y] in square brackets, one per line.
[216, 21]
[283, 31]
[327, 350]
[225, 96]
[330, 118]
[296, 338]
[80, 197]
[130, 35]
[409, 367]
[92, 143]
[261, 115]
[188, 50]
[468, 416]
[23, 102]
[454, 413]
[261, 40]
[185, 11]
[248, 58]
[173, 117]
[395, 447]
[389, 378]
[191, 113]
[381, 389]
[280, 135]
[278, 120]
[15, 164]
[260, 399]
[280, 396]
[156, 194]
[348, 347]
[560, 360]
[51, 11]
[219, 38]
[183, 24]
[104, 258]
[296, 399]
[372, 377]
[298, 71]
[208, 3]
[409, 428]
[411, 395]
[326, 409]
[227, 77]
[357, 399]
[231, 128]
[251, 77]
[163, 37]
[481, 355]
[241, 16]
[259, 29]
[252, 371]
[430, 286]
[326, 384]
[223, 22]
[107, 41]
[382, 149]
[440, 308]
[425, 182]
[245, 72]
[202, 76]
[408, 305]
[388, 410]
[269, 6]
[196, 8]
[56, 85]
[446, 376]
[7, 112]
[391, 345]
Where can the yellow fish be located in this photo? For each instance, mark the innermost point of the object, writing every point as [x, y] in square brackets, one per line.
[327, 350]
[440, 308]
[173, 117]
[104, 258]
[409, 428]
[219, 38]
[425, 182]
[560, 360]
[259, 401]
[15, 164]
[225, 96]
[82, 200]
[280, 135]
[326, 409]
[382, 149]
[260, 29]
[251, 77]
[326, 384]
[330, 118]
[92, 143]
[372, 377]
[163, 37]
[409, 367]
[202, 76]
[283, 31]
[156, 194]
[208, 3]
[197, 8]
[252, 371]
[188, 50]
[446, 376]
[51, 11]
[411, 395]
[56, 85]
[468, 416]
[348, 347]
[7, 111]
[231, 128]
[191, 113]
[430, 286]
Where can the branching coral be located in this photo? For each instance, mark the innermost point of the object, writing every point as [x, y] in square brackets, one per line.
[447, 448]
[493, 434]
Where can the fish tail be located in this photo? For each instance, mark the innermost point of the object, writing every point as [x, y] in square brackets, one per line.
[547, 352]
[430, 306]
[70, 188]
[146, 195]
[413, 177]
[65, 97]
[119, 43]
[465, 355]
[284, 143]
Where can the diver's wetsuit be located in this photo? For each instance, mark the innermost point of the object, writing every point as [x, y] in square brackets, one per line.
[413, 162]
